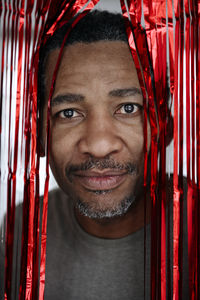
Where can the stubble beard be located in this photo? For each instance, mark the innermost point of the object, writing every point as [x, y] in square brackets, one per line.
[97, 213]
[94, 209]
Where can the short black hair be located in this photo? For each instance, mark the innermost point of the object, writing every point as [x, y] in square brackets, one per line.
[95, 26]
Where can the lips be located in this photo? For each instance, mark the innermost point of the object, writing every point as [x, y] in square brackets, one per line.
[100, 181]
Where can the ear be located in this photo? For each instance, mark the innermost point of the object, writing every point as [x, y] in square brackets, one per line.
[170, 129]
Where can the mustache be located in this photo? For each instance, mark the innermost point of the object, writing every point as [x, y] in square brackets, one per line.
[101, 164]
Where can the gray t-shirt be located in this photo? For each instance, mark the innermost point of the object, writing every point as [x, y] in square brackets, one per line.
[83, 267]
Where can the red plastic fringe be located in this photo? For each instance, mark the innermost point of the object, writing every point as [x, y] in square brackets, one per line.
[66, 17]
[193, 162]
[164, 40]
[153, 61]
[169, 26]
[22, 14]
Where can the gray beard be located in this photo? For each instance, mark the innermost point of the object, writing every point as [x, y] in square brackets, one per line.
[120, 210]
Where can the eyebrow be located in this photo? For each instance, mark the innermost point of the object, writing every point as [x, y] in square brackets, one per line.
[125, 92]
[67, 98]
[72, 98]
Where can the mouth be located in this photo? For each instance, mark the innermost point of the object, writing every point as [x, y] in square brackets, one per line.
[100, 181]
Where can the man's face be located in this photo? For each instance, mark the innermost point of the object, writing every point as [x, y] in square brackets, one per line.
[96, 147]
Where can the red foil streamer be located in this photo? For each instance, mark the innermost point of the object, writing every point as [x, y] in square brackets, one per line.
[197, 7]
[30, 229]
[192, 195]
[155, 24]
[178, 154]
[155, 20]
[136, 17]
[188, 119]
[149, 62]
[67, 15]
[148, 48]
[10, 221]
[193, 183]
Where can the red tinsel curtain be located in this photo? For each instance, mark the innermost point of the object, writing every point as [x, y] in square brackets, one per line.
[164, 41]
[23, 24]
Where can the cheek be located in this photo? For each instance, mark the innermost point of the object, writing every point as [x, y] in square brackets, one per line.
[61, 147]
[134, 139]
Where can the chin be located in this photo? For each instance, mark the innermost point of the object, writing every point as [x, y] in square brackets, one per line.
[98, 212]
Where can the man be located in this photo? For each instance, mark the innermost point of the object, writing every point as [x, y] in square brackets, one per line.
[97, 89]
[95, 237]
[96, 155]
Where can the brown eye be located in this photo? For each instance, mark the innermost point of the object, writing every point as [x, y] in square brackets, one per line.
[68, 113]
[129, 108]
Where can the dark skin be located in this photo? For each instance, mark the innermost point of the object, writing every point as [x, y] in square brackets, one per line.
[90, 119]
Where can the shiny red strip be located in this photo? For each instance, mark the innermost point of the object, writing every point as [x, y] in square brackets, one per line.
[68, 15]
[178, 155]
[13, 168]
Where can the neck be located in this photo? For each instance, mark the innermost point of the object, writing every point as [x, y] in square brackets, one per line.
[117, 227]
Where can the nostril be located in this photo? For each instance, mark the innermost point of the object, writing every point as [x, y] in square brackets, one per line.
[100, 145]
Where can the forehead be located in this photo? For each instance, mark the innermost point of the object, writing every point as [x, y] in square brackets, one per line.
[106, 61]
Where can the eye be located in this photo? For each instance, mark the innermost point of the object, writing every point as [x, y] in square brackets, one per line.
[68, 114]
[129, 108]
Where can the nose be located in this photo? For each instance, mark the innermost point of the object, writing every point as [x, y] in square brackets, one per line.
[100, 139]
